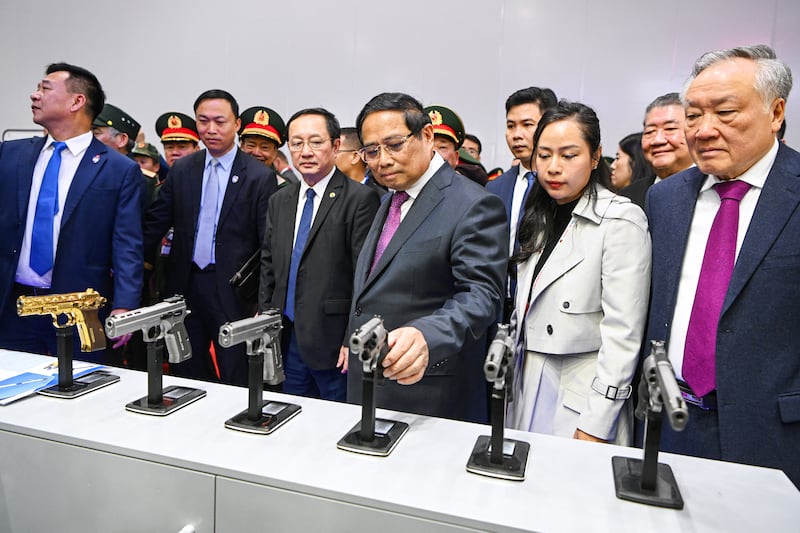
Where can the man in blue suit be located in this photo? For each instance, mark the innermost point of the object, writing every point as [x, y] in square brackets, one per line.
[731, 328]
[432, 266]
[524, 109]
[67, 224]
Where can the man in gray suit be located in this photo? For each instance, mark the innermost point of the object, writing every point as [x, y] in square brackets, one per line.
[731, 324]
[433, 266]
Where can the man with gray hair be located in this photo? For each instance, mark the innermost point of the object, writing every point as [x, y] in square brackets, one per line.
[725, 292]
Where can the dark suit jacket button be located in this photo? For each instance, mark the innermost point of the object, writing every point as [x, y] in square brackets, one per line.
[549, 329]
[358, 311]
[565, 305]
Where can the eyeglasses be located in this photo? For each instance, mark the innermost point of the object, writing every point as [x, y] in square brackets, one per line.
[392, 145]
[313, 145]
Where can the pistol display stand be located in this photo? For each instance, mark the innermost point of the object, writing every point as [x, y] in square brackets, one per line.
[372, 436]
[162, 401]
[68, 387]
[261, 416]
[495, 456]
[646, 480]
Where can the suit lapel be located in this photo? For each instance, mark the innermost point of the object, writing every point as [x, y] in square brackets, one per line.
[25, 175]
[236, 181]
[194, 185]
[429, 197]
[679, 220]
[93, 160]
[368, 248]
[779, 198]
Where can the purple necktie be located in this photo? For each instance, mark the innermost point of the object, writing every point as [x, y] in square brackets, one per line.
[391, 224]
[715, 275]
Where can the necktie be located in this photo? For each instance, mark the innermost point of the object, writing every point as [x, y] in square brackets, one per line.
[206, 225]
[530, 177]
[391, 224]
[715, 276]
[297, 252]
[41, 260]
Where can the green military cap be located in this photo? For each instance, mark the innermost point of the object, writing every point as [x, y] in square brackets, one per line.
[446, 122]
[260, 120]
[148, 150]
[118, 119]
[463, 155]
[174, 126]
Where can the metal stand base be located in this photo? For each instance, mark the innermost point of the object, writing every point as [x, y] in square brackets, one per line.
[515, 458]
[387, 434]
[81, 385]
[174, 398]
[273, 416]
[628, 482]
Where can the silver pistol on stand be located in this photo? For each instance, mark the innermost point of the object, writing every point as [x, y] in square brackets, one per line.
[163, 320]
[262, 334]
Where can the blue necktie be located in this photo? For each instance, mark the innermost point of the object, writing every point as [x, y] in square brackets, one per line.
[529, 176]
[297, 252]
[206, 225]
[46, 209]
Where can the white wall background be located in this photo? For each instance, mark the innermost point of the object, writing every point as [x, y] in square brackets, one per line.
[154, 56]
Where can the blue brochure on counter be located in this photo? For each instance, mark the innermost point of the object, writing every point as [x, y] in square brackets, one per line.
[16, 385]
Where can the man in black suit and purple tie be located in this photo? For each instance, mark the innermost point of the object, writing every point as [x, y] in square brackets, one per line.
[731, 325]
[432, 266]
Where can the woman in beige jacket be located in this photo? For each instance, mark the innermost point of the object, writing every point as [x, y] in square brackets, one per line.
[583, 285]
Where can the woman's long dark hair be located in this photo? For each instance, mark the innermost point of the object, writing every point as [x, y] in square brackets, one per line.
[536, 226]
[640, 167]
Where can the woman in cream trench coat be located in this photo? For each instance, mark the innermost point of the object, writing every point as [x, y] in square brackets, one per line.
[586, 308]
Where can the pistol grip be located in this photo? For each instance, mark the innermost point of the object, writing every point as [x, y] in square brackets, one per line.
[177, 341]
[90, 330]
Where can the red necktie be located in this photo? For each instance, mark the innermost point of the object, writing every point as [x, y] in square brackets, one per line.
[699, 356]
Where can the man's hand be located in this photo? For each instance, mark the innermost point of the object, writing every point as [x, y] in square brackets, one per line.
[407, 359]
[123, 340]
[580, 435]
[344, 354]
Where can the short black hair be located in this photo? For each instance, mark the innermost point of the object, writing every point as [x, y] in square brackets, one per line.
[665, 100]
[81, 81]
[474, 139]
[213, 94]
[331, 122]
[542, 96]
[350, 137]
[413, 113]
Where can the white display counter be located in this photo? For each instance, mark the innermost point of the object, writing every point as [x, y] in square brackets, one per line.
[89, 465]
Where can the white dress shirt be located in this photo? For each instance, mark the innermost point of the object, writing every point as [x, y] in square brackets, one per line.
[516, 206]
[705, 210]
[70, 159]
[319, 190]
[413, 191]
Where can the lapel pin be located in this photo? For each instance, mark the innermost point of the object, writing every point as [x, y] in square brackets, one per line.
[235, 179]
[332, 195]
[96, 158]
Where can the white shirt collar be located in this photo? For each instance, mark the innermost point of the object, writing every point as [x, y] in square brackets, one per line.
[76, 145]
[756, 175]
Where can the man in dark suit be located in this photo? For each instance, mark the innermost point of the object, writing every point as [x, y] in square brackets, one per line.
[432, 266]
[94, 239]
[731, 327]
[663, 144]
[216, 200]
[524, 109]
[308, 259]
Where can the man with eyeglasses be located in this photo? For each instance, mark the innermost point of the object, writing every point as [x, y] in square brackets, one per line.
[432, 267]
[315, 230]
[216, 200]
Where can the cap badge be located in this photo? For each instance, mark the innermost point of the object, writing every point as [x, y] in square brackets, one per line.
[262, 118]
[174, 122]
[436, 117]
